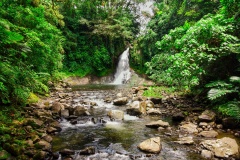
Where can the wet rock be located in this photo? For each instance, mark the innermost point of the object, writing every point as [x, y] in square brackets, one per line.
[149, 104]
[108, 100]
[87, 151]
[219, 126]
[71, 117]
[74, 121]
[152, 145]
[230, 123]
[35, 123]
[222, 148]
[201, 124]
[156, 100]
[80, 111]
[120, 101]
[13, 149]
[39, 113]
[207, 116]
[57, 107]
[137, 108]
[178, 116]
[208, 134]
[55, 155]
[206, 154]
[156, 124]
[185, 140]
[41, 155]
[62, 95]
[52, 130]
[189, 128]
[66, 152]
[44, 145]
[154, 111]
[65, 113]
[116, 114]
[48, 138]
[119, 95]
[29, 143]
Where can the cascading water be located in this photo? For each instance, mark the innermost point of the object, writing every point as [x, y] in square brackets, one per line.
[123, 73]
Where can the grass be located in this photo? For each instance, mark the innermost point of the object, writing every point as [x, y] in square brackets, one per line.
[160, 91]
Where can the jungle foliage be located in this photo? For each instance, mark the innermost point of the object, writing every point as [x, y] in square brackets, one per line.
[202, 51]
[31, 48]
[40, 38]
[97, 32]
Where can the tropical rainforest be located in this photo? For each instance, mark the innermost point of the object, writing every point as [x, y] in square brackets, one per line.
[190, 45]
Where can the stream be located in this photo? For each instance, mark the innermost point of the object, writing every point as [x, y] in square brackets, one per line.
[114, 140]
[90, 132]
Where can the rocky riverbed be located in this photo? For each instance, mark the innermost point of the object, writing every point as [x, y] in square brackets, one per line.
[155, 128]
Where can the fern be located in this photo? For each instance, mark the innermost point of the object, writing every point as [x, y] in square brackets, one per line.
[231, 108]
[215, 93]
[218, 84]
[235, 79]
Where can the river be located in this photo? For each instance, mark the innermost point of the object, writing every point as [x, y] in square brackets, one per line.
[115, 139]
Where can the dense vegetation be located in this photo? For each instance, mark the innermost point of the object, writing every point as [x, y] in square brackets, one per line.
[192, 46]
[31, 48]
[188, 44]
[97, 32]
[39, 39]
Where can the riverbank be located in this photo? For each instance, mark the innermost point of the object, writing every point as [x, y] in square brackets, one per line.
[30, 135]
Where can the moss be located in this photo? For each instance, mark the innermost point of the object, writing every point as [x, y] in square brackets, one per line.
[4, 155]
[33, 98]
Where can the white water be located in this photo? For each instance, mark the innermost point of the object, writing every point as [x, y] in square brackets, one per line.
[123, 73]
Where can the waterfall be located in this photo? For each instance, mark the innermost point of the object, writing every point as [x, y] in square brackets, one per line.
[123, 73]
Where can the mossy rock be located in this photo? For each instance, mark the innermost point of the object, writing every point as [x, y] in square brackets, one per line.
[40, 155]
[13, 149]
[33, 98]
[23, 157]
[4, 155]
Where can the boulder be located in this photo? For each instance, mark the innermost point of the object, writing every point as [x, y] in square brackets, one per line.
[230, 123]
[44, 145]
[154, 111]
[48, 138]
[178, 116]
[57, 107]
[208, 134]
[65, 113]
[189, 128]
[52, 130]
[35, 123]
[137, 108]
[206, 154]
[116, 114]
[80, 111]
[152, 145]
[207, 116]
[120, 101]
[156, 100]
[149, 104]
[185, 140]
[223, 148]
[156, 124]
[88, 150]
[201, 124]
[41, 155]
[66, 152]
